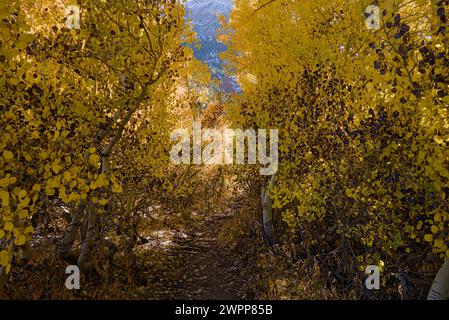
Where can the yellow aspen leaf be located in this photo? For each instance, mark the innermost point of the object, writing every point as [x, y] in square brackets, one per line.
[434, 229]
[73, 196]
[29, 229]
[7, 181]
[101, 180]
[8, 155]
[56, 167]
[439, 244]
[348, 192]
[27, 156]
[43, 155]
[23, 213]
[59, 124]
[93, 185]
[4, 257]
[67, 176]
[22, 193]
[53, 183]
[26, 37]
[20, 240]
[24, 202]
[4, 196]
[55, 136]
[8, 226]
[94, 159]
[428, 238]
[438, 139]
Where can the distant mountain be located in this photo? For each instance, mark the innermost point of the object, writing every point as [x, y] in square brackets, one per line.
[204, 15]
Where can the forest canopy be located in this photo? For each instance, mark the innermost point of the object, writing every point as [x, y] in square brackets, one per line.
[355, 92]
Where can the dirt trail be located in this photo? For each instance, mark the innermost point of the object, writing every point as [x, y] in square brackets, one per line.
[206, 269]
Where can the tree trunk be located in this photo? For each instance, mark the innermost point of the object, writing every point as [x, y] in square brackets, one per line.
[69, 237]
[440, 286]
[87, 248]
[268, 213]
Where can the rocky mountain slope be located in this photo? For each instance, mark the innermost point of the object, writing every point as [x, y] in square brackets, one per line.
[204, 16]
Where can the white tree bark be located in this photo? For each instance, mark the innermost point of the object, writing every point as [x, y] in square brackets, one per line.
[268, 213]
[440, 286]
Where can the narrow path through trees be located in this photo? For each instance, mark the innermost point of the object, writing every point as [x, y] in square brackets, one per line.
[211, 270]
